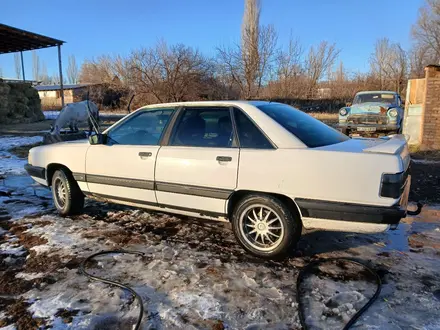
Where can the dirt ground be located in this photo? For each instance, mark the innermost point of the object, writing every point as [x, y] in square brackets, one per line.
[193, 274]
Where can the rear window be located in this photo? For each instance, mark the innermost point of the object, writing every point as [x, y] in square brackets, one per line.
[312, 132]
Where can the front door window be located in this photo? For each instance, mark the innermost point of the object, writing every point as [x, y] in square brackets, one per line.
[145, 128]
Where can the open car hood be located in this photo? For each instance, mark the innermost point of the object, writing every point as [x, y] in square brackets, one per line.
[369, 107]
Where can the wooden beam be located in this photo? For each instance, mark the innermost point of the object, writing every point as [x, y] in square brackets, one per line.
[22, 66]
[61, 76]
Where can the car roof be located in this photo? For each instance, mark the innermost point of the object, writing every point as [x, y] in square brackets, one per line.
[237, 103]
[376, 92]
[276, 133]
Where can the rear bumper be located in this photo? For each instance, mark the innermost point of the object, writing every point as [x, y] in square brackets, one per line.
[35, 171]
[378, 127]
[352, 212]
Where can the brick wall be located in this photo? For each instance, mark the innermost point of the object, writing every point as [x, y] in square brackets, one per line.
[430, 135]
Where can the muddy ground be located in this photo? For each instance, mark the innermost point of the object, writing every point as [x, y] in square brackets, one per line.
[193, 275]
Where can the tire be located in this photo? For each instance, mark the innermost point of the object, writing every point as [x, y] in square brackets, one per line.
[63, 184]
[288, 222]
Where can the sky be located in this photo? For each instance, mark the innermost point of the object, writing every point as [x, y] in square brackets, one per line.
[95, 27]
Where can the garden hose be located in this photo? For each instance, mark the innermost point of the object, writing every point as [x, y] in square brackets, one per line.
[314, 264]
[118, 284]
[300, 279]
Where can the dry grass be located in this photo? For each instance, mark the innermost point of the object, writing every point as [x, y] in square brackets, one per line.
[324, 115]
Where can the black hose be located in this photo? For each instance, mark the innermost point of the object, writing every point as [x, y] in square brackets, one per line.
[123, 286]
[416, 212]
[313, 264]
[300, 279]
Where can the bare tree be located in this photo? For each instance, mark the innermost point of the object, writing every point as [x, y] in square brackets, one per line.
[250, 63]
[35, 65]
[419, 58]
[389, 65]
[175, 73]
[17, 65]
[55, 79]
[44, 77]
[104, 70]
[1, 72]
[250, 35]
[72, 70]
[319, 61]
[289, 70]
[426, 31]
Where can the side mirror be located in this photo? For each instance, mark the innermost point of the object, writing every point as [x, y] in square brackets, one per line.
[98, 139]
[348, 104]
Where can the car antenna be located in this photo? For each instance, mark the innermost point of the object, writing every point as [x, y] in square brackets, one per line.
[92, 120]
[129, 103]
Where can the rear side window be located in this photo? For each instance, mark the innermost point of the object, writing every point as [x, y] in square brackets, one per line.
[312, 132]
[204, 127]
[249, 136]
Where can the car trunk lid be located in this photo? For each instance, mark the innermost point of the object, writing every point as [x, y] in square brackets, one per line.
[392, 145]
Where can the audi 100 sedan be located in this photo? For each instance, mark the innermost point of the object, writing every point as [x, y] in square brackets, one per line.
[266, 167]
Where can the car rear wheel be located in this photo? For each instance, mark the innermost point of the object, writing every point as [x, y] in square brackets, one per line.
[265, 226]
[67, 196]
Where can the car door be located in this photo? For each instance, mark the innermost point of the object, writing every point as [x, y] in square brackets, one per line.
[123, 168]
[197, 170]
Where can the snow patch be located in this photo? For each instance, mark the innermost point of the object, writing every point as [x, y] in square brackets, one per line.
[11, 248]
[425, 161]
[29, 276]
[9, 163]
[9, 327]
[51, 114]
[204, 304]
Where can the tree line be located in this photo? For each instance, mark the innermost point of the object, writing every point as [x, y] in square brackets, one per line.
[40, 73]
[258, 66]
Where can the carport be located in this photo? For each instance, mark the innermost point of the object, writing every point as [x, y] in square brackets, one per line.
[16, 40]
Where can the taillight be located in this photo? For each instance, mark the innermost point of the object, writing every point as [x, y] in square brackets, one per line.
[393, 184]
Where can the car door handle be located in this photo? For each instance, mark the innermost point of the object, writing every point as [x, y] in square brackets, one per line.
[224, 158]
[145, 154]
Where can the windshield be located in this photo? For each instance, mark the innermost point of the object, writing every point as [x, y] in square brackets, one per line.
[374, 97]
[312, 132]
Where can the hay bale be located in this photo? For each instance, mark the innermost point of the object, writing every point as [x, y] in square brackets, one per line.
[4, 88]
[4, 105]
[19, 103]
[31, 93]
[19, 109]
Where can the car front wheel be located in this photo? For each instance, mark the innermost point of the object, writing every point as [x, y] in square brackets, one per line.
[67, 196]
[265, 226]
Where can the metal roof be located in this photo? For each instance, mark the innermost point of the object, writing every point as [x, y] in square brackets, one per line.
[41, 88]
[17, 40]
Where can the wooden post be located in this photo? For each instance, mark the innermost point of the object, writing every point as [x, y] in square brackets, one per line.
[61, 76]
[22, 66]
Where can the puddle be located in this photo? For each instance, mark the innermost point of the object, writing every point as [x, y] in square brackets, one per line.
[436, 294]
[19, 194]
[398, 239]
[414, 233]
[26, 196]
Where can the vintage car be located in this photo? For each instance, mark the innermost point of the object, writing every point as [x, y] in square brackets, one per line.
[372, 112]
[266, 167]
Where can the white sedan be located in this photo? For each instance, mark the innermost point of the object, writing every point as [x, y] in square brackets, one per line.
[266, 167]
